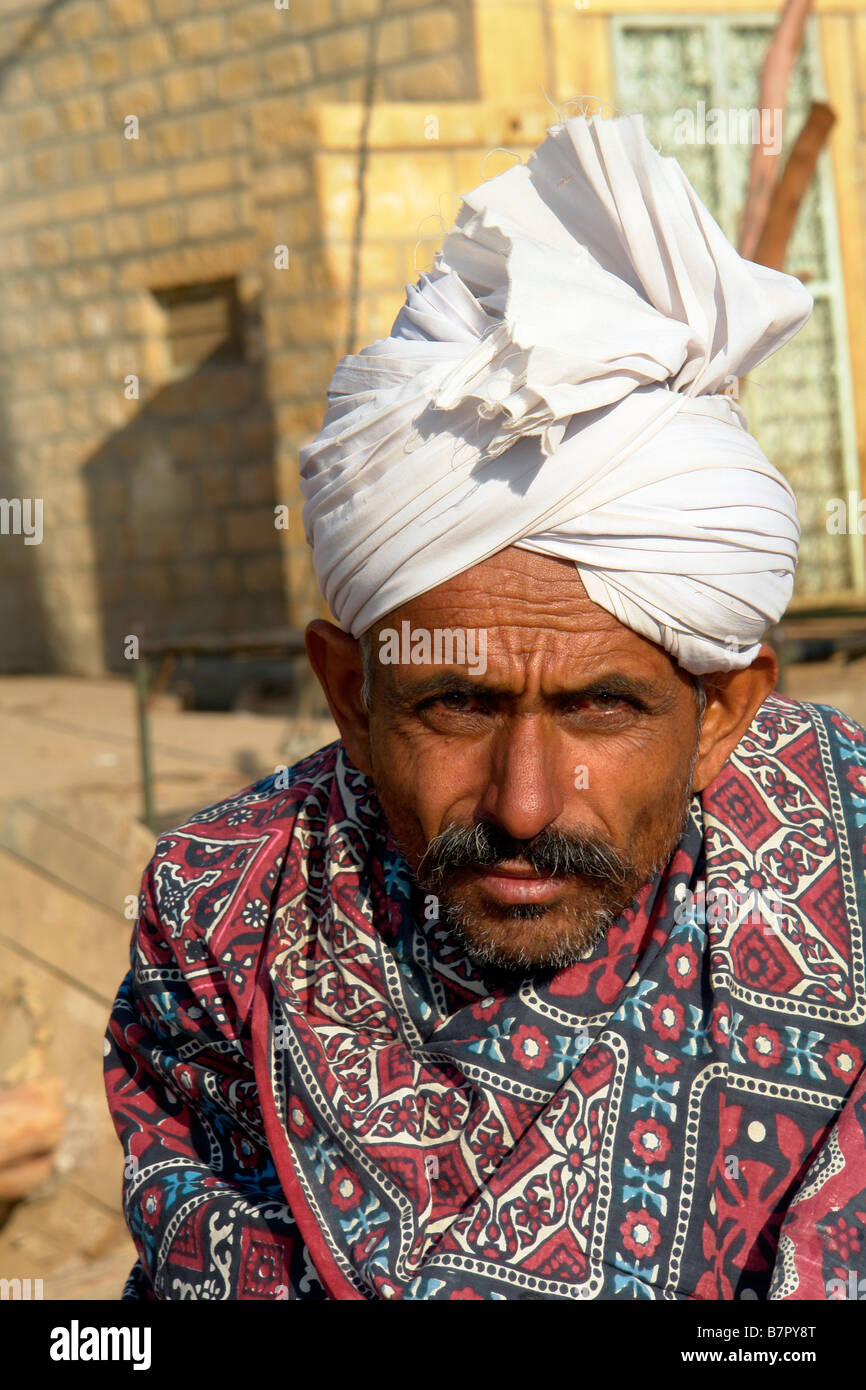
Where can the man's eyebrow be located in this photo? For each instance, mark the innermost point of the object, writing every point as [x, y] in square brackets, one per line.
[452, 682]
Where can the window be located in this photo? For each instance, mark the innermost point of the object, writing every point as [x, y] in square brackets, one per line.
[799, 404]
[202, 323]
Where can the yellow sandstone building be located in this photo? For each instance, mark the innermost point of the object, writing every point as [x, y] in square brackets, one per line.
[204, 205]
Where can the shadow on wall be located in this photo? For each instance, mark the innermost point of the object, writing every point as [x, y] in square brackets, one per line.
[182, 512]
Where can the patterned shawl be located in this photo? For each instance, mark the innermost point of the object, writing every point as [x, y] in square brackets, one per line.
[319, 1096]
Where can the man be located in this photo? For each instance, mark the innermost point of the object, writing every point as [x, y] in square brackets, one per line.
[546, 980]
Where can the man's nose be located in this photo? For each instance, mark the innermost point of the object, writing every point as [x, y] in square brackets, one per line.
[524, 794]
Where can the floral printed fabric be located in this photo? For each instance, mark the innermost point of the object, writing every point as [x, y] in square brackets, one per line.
[319, 1096]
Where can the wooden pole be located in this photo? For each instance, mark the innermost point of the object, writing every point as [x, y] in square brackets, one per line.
[773, 95]
[791, 188]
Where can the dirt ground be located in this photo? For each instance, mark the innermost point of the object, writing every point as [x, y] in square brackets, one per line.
[72, 850]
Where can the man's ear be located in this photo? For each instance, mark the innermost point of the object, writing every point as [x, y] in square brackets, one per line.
[733, 700]
[335, 656]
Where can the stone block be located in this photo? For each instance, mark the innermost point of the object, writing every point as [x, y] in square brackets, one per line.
[341, 51]
[148, 52]
[35, 124]
[238, 77]
[203, 37]
[204, 175]
[164, 225]
[146, 186]
[183, 88]
[435, 31]
[174, 140]
[140, 98]
[209, 217]
[82, 114]
[258, 25]
[287, 65]
[80, 202]
[124, 232]
[86, 240]
[124, 15]
[108, 61]
[61, 73]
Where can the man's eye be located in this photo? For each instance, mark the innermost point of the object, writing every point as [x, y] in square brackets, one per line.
[602, 702]
[450, 700]
[454, 700]
[606, 698]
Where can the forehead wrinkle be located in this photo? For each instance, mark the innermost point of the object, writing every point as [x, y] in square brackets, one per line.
[546, 618]
[542, 654]
[498, 610]
[550, 672]
[499, 613]
[533, 590]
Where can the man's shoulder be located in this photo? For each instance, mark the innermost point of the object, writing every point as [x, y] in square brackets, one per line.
[218, 869]
[208, 891]
[780, 715]
[802, 763]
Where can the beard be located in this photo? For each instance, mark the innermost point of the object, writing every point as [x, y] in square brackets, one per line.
[529, 937]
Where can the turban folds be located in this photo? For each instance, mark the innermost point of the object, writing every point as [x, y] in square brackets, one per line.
[559, 381]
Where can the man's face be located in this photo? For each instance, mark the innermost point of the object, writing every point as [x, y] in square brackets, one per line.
[536, 798]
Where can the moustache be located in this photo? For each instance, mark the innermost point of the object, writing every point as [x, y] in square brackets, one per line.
[551, 852]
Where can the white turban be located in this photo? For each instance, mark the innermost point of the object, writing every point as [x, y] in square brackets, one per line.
[557, 382]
